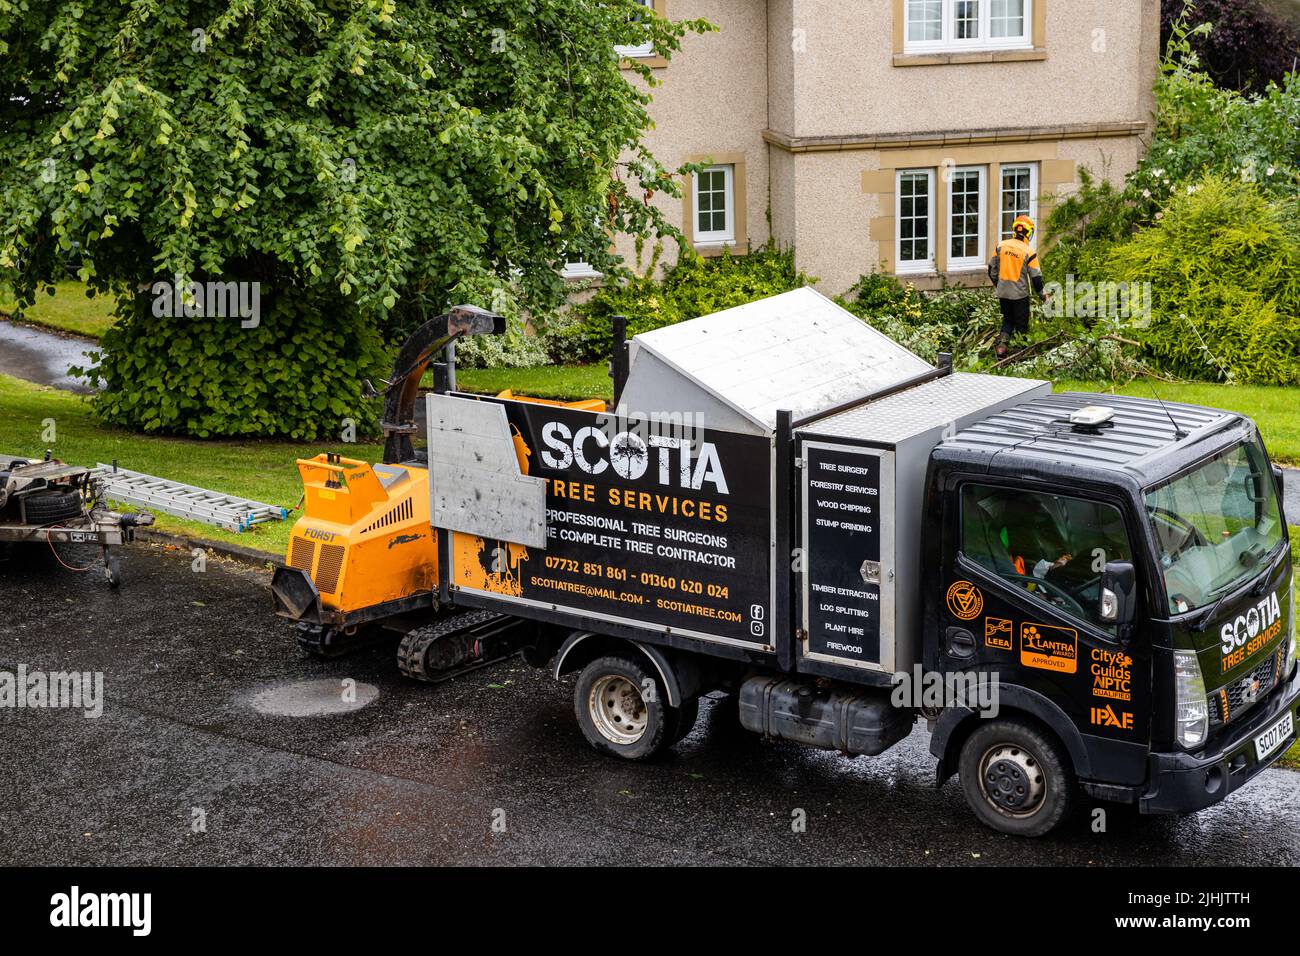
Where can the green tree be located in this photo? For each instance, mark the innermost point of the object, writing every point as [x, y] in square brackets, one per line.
[366, 163]
[1223, 262]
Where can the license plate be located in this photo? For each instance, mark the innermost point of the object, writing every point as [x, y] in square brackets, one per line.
[1273, 738]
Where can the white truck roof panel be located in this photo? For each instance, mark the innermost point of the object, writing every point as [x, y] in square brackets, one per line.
[798, 351]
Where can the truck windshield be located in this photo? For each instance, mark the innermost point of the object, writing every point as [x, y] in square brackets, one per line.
[1215, 526]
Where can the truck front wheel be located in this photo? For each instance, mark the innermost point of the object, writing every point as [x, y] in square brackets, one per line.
[1016, 778]
[622, 709]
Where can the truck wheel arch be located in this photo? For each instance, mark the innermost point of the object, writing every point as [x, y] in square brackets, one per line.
[957, 723]
[680, 676]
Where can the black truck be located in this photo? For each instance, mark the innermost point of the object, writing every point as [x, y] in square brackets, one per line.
[1074, 592]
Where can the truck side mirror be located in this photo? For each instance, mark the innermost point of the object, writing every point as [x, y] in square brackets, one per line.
[1278, 480]
[1118, 595]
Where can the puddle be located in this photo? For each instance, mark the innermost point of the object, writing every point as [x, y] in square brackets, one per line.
[314, 698]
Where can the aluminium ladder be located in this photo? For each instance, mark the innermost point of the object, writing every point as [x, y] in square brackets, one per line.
[185, 501]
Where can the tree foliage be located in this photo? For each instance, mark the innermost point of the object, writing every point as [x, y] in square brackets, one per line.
[693, 287]
[1201, 129]
[368, 163]
[1248, 47]
[1224, 264]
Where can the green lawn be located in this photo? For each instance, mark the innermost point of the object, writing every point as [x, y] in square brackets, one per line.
[263, 471]
[561, 382]
[1276, 410]
[68, 310]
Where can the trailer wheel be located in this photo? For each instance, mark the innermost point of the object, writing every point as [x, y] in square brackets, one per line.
[1016, 778]
[113, 571]
[623, 710]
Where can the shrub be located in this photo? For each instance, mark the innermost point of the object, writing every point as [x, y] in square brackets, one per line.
[1224, 264]
[1079, 232]
[966, 322]
[296, 375]
[960, 321]
[691, 288]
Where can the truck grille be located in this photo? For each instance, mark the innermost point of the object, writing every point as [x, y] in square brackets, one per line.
[1236, 699]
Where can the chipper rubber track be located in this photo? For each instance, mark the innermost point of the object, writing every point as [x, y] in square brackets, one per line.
[460, 644]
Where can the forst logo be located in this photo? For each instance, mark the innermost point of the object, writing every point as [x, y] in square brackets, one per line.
[1265, 618]
[630, 455]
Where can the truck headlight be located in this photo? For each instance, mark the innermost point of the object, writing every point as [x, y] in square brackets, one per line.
[1191, 709]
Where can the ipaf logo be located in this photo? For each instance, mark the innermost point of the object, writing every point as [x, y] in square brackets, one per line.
[1265, 619]
[1107, 717]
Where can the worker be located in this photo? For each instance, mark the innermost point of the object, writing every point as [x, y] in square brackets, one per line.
[1030, 536]
[1015, 269]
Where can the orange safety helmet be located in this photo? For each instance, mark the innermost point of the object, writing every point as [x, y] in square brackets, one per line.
[1025, 223]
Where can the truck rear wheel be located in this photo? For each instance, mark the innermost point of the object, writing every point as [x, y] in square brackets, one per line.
[688, 715]
[1016, 778]
[623, 710]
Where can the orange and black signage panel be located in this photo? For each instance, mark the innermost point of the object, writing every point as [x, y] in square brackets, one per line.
[998, 633]
[665, 525]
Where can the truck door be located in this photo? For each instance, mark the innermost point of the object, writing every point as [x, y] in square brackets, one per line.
[1022, 599]
[849, 546]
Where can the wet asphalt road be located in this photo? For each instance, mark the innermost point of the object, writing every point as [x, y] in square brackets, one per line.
[420, 774]
[41, 356]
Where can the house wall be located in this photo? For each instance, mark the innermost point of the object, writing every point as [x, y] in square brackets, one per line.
[820, 105]
[712, 105]
[866, 109]
[1086, 70]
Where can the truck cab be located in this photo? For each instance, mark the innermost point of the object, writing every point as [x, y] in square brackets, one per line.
[1121, 567]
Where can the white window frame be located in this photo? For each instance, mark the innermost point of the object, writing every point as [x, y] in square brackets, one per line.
[977, 261]
[728, 233]
[643, 50]
[1033, 197]
[985, 41]
[902, 267]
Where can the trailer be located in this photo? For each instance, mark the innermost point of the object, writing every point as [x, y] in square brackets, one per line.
[45, 501]
[1076, 593]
